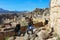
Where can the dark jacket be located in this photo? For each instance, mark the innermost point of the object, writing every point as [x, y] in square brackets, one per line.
[17, 28]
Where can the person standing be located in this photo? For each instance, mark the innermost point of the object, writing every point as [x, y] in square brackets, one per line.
[17, 29]
[30, 25]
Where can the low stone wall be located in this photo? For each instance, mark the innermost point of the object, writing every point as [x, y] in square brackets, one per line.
[3, 35]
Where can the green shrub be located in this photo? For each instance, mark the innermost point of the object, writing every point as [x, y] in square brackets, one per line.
[58, 38]
[6, 38]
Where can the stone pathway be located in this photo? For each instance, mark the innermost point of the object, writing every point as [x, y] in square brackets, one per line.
[19, 38]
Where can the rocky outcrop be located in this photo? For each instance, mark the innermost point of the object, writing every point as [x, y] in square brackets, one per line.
[55, 15]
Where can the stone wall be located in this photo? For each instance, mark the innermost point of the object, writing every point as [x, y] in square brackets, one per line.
[55, 15]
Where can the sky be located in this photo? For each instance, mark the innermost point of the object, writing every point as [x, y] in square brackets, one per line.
[23, 5]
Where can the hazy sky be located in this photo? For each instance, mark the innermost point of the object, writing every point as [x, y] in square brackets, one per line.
[22, 5]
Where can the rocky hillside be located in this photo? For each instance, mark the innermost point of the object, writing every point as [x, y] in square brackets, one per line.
[10, 14]
[38, 11]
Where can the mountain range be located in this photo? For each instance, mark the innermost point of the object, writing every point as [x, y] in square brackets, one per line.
[37, 11]
[7, 11]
